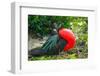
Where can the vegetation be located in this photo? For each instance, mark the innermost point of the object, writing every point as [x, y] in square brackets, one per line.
[39, 25]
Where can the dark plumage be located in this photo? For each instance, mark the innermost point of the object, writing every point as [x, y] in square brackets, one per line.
[37, 52]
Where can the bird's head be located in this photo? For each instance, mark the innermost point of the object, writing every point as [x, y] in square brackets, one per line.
[65, 34]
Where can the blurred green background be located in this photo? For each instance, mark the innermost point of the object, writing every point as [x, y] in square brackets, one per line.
[41, 25]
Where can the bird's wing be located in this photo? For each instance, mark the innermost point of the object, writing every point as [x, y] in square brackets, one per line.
[50, 43]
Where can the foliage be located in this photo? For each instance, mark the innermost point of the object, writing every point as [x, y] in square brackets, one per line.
[79, 26]
[55, 57]
[42, 25]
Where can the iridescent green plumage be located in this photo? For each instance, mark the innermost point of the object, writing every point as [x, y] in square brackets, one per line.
[54, 45]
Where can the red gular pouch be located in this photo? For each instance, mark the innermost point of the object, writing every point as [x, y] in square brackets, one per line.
[69, 37]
